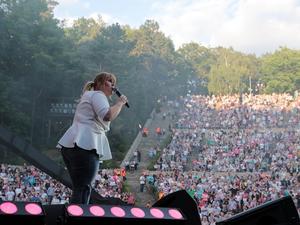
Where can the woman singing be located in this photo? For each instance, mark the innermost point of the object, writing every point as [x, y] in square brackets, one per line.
[85, 142]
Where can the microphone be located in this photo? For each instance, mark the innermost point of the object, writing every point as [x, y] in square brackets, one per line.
[119, 95]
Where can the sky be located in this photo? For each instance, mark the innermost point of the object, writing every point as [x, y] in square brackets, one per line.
[249, 26]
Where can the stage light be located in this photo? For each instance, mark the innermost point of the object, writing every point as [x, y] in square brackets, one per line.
[8, 208]
[117, 211]
[97, 210]
[175, 214]
[75, 210]
[16, 213]
[33, 209]
[109, 214]
[137, 212]
[157, 213]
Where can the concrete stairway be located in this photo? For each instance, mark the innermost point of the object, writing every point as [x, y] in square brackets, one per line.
[143, 144]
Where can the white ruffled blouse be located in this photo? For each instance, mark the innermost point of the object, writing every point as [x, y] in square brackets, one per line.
[88, 128]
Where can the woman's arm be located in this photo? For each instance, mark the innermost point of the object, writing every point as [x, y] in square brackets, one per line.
[113, 112]
[102, 108]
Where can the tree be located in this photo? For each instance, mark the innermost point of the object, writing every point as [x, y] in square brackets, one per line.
[149, 41]
[231, 71]
[84, 29]
[281, 71]
[200, 57]
[32, 57]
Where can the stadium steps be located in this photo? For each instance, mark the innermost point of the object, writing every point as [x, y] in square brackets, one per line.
[144, 145]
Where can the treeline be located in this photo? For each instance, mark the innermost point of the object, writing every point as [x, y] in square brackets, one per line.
[43, 61]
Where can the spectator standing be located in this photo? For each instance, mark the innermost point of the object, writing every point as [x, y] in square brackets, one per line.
[142, 183]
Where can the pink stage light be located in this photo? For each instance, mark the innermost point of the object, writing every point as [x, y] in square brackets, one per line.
[137, 212]
[175, 214]
[117, 211]
[157, 213]
[33, 209]
[75, 210]
[97, 211]
[8, 208]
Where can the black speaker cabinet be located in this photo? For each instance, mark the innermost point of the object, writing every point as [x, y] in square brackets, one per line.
[182, 200]
[278, 212]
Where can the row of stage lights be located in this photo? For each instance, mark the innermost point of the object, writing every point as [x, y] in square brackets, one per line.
[36, 210]
[95, 210]
[177, 208]
[184, 211]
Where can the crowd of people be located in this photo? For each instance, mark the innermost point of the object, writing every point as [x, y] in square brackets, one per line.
[242, 151]
[252, 147]
[246, 111]
[248, 150]
[221, 195]
[230, 153]
[232, 150]
[27, 183]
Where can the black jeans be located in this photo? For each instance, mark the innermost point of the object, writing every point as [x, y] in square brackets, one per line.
[83, 166]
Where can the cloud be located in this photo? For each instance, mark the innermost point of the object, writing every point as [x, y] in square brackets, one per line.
[67, 2]
[65, 8]
[250, 26]
[107, 18]
[70, 10]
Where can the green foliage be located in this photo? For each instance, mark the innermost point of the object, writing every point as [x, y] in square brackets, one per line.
[41, 59]
[230, 72]
[149, 41]
[110, 164]
[281, 71]
[200, 57]
[84, 30]
[31, 52]
[126, 187]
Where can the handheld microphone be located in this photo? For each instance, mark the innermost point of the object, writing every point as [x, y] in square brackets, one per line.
[119, 95]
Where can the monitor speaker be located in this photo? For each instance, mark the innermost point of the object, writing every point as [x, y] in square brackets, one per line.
[182, 200]
[278, 212]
